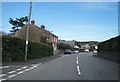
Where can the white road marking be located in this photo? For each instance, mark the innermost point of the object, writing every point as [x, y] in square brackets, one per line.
[77, 62]
[11, 76]
[4, 67]
[77, 58]
[2, 80]
[24, 67]
[19, 69]
[11, 72]
[27, 70]
[36, 64]
[78, 69]
[20, 72]
[33, 67]
[3, 75]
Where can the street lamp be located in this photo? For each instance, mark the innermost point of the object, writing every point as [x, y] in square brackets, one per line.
[27, 33]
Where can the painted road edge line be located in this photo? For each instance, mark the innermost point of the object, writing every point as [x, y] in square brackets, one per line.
[24, 67]
[11, 76]
[3, 75]
[4, 67]
[2, 80]
[18, 69]
[20, 72]
[26, 70]
[11, 72]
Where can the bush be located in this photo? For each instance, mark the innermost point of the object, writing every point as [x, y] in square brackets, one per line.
[62, 46]
[110, 45]
[110, 49]
[37, 50]
[13, 49]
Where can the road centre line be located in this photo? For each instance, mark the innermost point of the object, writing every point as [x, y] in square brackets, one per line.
[77, 62]
[77, 58]
[78, 69]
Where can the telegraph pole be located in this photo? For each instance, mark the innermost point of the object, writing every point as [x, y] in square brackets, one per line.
[27, 33]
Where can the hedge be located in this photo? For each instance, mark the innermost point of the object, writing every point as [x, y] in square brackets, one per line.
[13, 49]
[110, 49]
[110, 45]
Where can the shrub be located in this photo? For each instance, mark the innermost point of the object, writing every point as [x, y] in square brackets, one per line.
[13, 49]
[110, 45]
[110, 49]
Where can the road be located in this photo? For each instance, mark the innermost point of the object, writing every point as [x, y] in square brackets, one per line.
[82, 66]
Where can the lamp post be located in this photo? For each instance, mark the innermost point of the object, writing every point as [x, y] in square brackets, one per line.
[27, 33]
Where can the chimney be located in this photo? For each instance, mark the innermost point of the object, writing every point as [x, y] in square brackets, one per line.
[42, 26]
[32, 22]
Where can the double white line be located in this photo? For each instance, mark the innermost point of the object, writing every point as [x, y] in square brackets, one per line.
[4, 67]
[13, 75]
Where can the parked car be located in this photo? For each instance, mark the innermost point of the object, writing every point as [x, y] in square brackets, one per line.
[76, 51]
[67, 51]
[94, 52]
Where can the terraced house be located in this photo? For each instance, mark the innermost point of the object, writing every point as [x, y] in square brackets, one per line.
[38, 34]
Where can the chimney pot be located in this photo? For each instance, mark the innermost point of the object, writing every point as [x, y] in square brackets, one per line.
[43, 26]
[32, 22]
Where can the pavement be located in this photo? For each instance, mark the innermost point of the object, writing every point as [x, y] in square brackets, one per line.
[30, 61]
[82, 66]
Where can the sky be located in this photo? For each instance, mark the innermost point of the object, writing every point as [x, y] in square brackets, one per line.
[81, 21]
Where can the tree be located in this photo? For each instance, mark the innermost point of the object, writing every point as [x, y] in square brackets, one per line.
[62, 46]
[18, 23]
[3, 33]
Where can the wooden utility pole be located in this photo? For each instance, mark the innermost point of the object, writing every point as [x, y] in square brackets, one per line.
[27, 33]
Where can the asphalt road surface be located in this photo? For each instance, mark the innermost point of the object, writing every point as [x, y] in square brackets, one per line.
[82, 66]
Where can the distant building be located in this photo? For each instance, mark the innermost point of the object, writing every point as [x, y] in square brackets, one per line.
[37, 34]
[87, 45]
